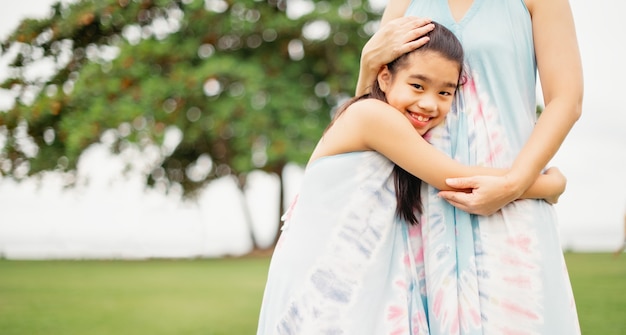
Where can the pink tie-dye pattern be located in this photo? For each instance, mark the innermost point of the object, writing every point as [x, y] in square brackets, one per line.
[395, 312]
[516, 261]
[402, 284]
[396, 315]
[417, 259]
[521, 242]
[475, 316]
[470, 87]
[494, 147]
[519, 281]
[517, 309]
[454, 327]
[438, 302]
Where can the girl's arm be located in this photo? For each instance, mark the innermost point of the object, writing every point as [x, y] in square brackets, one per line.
[560, 71]
[375, 125]
[549, 186]
[397, 35]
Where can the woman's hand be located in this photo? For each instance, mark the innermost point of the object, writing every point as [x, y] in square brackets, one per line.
[396, 38]
[483, 195]
[393, 39]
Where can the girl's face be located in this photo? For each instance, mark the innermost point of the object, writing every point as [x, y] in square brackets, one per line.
[422, 88]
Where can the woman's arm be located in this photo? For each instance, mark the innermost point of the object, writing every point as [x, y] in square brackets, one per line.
[397, 35]
[560, 71]
[374, 125]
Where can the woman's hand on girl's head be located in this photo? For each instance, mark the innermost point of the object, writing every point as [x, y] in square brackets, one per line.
[396, 38]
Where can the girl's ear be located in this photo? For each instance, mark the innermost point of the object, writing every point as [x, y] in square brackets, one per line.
[384, 78]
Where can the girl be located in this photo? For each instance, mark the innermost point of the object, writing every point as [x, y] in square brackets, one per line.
[341, 265]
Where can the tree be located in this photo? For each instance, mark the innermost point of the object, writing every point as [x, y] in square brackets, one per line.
[245, 84]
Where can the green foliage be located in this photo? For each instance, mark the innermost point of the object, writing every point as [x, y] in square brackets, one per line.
[243, 82]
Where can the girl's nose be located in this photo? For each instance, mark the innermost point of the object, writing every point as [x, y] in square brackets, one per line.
[427, 103]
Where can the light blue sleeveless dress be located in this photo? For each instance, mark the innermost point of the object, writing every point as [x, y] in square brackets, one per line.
[341, 264]
[502, 274]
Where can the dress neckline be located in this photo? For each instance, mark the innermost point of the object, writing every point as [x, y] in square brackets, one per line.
[469, 13]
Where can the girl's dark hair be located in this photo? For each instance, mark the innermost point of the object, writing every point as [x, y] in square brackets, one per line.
[407, 186]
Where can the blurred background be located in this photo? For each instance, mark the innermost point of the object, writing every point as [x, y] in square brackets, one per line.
[158, 142]
[178, 129]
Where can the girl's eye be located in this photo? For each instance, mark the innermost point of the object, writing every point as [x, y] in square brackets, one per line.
[418, 86]
[445, 93]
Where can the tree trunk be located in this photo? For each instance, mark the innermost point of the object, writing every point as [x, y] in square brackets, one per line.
[256, 249]
[281, 207]
[241, 183]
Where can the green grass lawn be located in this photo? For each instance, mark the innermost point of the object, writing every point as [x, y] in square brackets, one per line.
[599, 284]
[218, 296]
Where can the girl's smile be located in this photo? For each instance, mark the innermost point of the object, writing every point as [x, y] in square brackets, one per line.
[418, 120]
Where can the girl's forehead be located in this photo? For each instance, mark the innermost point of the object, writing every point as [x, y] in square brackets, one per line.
[431, 67]
[428, 59]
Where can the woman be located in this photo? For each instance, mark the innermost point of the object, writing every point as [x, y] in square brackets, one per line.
[501, 272]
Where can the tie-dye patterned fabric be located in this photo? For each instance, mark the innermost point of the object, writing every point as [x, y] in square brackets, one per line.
[502, 274]
[341, 265]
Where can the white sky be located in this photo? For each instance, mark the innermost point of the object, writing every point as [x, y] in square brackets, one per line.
[593, 156]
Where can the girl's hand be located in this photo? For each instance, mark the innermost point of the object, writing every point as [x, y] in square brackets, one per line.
[558, 180]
